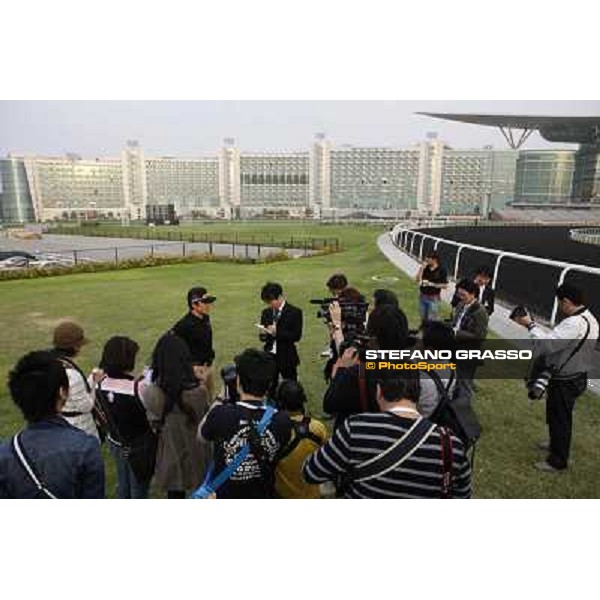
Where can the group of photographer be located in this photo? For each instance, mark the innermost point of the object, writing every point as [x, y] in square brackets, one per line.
[404, 435]
[563, 356]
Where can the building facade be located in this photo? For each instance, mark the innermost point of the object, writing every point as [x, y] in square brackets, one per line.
[428, 178]
[192, 186]
[275, 181]
[372, 178]
[586, 174]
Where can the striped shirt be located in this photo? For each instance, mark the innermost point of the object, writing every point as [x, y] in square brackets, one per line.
[362, 437]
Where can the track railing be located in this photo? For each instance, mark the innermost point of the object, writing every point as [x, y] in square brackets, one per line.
[413, 243]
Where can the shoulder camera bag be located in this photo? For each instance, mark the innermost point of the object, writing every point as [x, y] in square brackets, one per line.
[29, 468]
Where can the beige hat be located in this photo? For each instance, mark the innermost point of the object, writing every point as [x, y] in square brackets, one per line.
[68, 335]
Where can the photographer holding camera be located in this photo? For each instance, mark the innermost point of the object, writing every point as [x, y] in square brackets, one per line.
[391, 451]
[233, 425]
[352, 388]
[352, 317]
[563, 358]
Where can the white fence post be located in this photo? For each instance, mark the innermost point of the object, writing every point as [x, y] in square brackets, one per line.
[561, 280]
[421, 249]
[412, 244]
[456, 262]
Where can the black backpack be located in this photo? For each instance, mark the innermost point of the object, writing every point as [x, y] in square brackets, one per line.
[455, 412]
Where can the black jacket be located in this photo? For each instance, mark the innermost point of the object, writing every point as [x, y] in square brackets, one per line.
[289, 331]
[197, 333]
[473, 326]
[342, 397]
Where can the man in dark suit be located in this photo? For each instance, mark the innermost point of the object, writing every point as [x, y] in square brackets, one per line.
[483, 279]
[486, 294]
[470, 325]
[282, 325]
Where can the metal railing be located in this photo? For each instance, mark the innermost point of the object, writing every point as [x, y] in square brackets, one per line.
[586, 235]
[408, 240]
[296, 242]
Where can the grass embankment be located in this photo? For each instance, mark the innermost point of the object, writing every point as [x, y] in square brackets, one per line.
[143, 303]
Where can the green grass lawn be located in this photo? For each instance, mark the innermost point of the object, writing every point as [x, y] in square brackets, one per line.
[143, 303]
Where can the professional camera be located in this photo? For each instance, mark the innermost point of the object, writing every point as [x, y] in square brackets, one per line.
[354, 314]
[230, 392]
[518, 312]
[539, 378]
[536, 388]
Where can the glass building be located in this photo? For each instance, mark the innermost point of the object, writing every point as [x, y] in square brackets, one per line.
[16, 205]
[544, 176]
[586, 177]
[474, 181]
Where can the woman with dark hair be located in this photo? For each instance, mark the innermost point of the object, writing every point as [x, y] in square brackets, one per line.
[381, 297]
[177, 401]
[351, 392]
[130, 437]
[389, 326]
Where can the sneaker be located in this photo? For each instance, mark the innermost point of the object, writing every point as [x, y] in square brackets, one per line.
[546, 467]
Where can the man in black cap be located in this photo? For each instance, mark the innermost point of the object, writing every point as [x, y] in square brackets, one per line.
[195, 329]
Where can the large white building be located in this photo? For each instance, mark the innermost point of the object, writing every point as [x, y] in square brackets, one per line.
[325, 180]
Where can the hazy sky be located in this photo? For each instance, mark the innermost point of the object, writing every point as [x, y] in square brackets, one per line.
[186, 128]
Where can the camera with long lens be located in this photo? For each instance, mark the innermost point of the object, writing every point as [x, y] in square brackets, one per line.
[537, 387]
[539, 378]
[230, 392]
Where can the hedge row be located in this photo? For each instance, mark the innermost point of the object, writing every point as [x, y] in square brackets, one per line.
[148, 261]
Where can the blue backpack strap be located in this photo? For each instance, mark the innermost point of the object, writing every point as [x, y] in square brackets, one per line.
[210, 484]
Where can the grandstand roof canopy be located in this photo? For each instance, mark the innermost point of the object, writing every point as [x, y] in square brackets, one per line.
[579, 130]
[517, 121]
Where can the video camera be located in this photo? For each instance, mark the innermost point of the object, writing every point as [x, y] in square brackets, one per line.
[354, 314]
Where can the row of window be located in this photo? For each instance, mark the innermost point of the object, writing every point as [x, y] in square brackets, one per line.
[274, 178]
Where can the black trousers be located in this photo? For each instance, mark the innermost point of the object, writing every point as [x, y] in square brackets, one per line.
[465, 373]
[560, 402]
[284, 371]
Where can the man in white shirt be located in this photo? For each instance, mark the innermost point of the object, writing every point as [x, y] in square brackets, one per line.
[568, 350]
